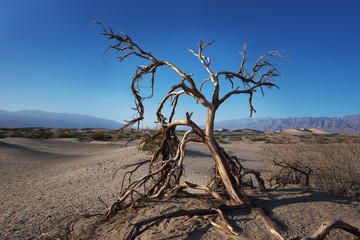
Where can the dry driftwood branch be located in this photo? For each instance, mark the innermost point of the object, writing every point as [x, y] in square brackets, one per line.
[218, 226]
[198, 187]
[260, 181]
[326, 227]
[230, 229]
[276, 234]
[114, 207]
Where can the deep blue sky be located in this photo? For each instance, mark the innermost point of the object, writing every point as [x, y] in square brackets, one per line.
[51, 54]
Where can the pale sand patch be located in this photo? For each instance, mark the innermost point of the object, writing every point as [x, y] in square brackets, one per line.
[304, 131]
[43, 181]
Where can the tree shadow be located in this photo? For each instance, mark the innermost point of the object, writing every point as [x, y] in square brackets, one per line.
[195, 234]
[298, 195]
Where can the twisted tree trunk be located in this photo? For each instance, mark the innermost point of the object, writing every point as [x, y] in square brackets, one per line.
[237, 197]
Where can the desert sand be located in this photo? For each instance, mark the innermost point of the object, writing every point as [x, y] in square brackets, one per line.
[44, 183]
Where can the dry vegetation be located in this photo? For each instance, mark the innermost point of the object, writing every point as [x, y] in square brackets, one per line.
[328, 163]
[83, 135]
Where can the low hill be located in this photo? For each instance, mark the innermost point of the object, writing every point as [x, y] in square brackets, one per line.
[36, 118]
[346, 125]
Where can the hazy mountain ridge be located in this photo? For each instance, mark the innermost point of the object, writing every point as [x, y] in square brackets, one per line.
[347, 125]
[36, 118]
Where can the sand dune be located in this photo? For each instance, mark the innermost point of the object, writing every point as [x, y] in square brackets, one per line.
[43, 181]
[317, 131]
[303, 131]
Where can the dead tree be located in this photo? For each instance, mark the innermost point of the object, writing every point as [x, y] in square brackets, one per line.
[165, 167]
[242, 81]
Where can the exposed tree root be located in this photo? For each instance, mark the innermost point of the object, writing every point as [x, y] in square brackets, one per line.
[216, 195]
[139, 227]
[229, 229]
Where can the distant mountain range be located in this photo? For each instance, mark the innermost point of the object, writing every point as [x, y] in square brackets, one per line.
[36, 118]
[346, 125]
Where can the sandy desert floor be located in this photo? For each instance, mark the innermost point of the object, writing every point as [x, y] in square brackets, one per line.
[45, 182]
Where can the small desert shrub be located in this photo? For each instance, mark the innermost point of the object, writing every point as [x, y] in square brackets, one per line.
[235, 138]
[138, 135]
[220, 139]
[45, 134]
[150, 144]
[275, 140]
[4, 132]
[16, 133]
[38, 133]
[27, 130]
[258, 139]
[333, 167]
[180, 134]
[66, 135]
[100, 136]
[340, 140]
[82, 138]
[62, 133]
[322, 140]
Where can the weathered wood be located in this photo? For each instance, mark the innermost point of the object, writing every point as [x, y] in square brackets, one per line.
[326, 227]
[257, 174]
[228, 226]
[233, 189]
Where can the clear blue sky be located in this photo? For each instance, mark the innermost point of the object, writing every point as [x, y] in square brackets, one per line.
[51, 54]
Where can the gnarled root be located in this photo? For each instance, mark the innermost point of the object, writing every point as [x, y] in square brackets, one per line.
[324, 230]
[216, 195]
[229, 229]
[326, 227]
[117, 205]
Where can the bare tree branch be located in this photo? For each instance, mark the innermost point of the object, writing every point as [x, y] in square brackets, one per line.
[201, 57]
